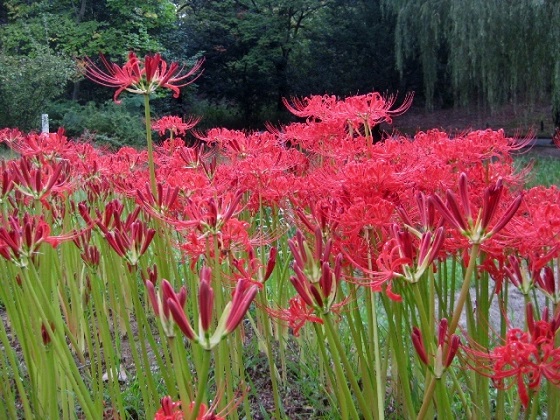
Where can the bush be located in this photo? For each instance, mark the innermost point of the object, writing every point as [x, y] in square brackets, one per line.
[28, 84]
[107, 123]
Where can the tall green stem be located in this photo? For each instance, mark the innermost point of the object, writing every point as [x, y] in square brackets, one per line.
[453, 325]
[202, 383]
[148, 122]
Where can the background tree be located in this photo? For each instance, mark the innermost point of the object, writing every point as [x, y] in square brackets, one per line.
[481, 51]
[40, 40]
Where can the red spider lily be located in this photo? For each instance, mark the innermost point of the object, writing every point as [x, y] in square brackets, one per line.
[402, 258]
[171, 410]
[144, 77]
[315, 281]
[528, 357]
[212, 214]
[45, 335]
[461, 217]
[7, 181]
[230, 318]
[160, 305]
[190, 157]
[46, 145]
[20, 239]
[536, 227]
[157, 206]
[297, 314]
[372, 109]
[90, 253]
[446, 348]
[40, 181]
[10, 136]
[517, 272]
[174, 125]
[252, 269]
[356, 111]
[130, 239]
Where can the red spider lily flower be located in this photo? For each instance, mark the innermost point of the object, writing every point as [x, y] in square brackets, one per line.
[297, 314]
[230, 318]
[90, 253]
[527, 357]
[144, 77]
[446, 348]
[243, 295]
[315, 280]
[361, 111]
[169, 410]
[517, 272]
[6, 180]
[48, 146]
[212, 214]
[174, 302]
[10, 136]
[174, 125]
[160, 205]
[476, 230]
[129, 238]
[20, 239]
[252, 269]
[45, 335]
[39, 182]
[160, 304]
[131, 243]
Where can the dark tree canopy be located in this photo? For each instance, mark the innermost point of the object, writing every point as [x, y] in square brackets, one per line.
[450, 53]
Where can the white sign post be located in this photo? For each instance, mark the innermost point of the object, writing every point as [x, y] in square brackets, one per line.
[45, 123]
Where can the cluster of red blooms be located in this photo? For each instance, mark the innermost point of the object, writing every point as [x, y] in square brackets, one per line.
[390, 210]
[525, 357]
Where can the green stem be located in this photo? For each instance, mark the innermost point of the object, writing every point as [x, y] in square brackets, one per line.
[202, 383]
[342, 396]
[377, 360]
[339, 356]
[148, 122]
[453, 325]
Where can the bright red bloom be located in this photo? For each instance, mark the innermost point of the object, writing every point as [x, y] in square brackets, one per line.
[297, 314]
[174, 125]
[20, 238]
[461, 217]
[137, 76]
[171, 410]
[230, 318]
[528, 357]
[129, 238]
[40, 181]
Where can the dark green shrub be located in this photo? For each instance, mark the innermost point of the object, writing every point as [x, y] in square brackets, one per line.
[108, 123]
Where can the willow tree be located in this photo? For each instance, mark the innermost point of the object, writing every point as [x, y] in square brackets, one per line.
[491, 52]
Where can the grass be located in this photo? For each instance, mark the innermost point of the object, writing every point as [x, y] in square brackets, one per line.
[545, 171]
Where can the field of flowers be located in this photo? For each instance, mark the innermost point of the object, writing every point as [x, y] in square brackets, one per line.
[363, 272]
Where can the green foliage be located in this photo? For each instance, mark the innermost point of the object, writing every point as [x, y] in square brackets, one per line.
[85, 27]
[544, 170]
[248, 47]
[29, 83]
[108, 123]
[484, 53]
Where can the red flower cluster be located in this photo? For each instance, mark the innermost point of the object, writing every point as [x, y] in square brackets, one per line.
[137, 76]
[527, 357]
